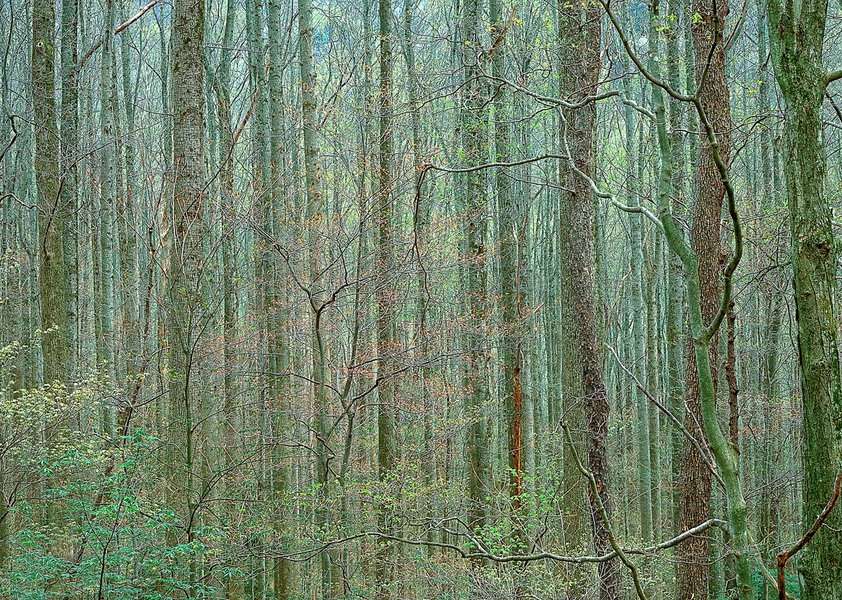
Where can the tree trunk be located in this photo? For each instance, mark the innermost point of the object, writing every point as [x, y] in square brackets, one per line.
[674, 302]
[386, 335]
[107, 202]
[797, 41]
[695, 484]
[127, 222]
[563, 341]
[52, 214]
[580, 27]
[475, 208]
[330, 579]
[69, 166]
[186, 263]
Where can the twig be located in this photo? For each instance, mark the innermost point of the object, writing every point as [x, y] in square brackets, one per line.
[675, 420]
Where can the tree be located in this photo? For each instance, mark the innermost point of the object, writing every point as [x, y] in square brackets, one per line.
[386, 343]
[693, 574]
[52, 214]
[186, 315]
[797, 39]
[312, 177]
[577, 211]
[513, 246]
[474, 208]
[703, 330]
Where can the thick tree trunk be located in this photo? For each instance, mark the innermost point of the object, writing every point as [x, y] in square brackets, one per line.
[474, 208]
[581, 28]
[51, 222]
[695, 503]
[70, 168]
[52, 214]
[565, 368]
[186, 265]
[797, 41]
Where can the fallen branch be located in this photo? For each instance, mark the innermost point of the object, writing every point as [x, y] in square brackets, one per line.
[784, 557]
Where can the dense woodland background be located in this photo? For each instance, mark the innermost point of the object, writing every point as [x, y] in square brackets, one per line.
[420, 299]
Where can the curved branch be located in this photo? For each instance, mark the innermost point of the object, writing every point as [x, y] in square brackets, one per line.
[493, 165]
[784, 557]
[638, 586]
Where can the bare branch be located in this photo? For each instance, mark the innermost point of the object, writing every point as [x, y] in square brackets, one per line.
[308, 554]
[117, 30]
[784, 557]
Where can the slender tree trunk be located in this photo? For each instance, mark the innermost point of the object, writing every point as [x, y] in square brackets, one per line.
[421, 215]
[386, 336]
[653, 363]
[476, 364]
[233, 585]
[107, 202]
[329, 573]
[512, 250]
[127, 221]
[274, 222]
[512, 233]
[675, 300]
[638, 324]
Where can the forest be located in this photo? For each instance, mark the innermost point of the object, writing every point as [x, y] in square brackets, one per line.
[420, 299]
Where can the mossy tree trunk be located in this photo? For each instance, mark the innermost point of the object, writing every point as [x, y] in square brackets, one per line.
[473, 125]
[52, 214]
[797, 40]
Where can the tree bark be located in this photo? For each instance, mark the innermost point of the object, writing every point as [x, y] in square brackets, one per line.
[581, 28]
[386, 335]
[695, 484]
[330, 576]
[185, 315]
[475, 208]
[797, 40]
[52, 214]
